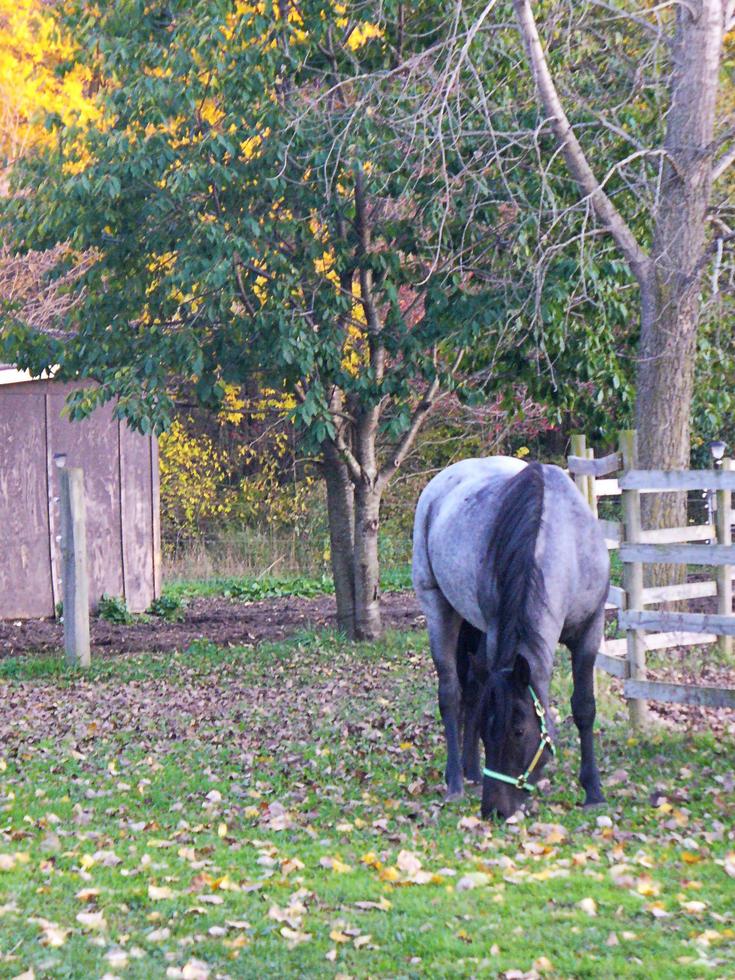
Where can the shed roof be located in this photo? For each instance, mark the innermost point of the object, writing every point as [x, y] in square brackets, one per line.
[10, 375]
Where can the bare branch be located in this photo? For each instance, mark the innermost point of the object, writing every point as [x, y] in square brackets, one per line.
[574, 155]
[356, 472]
[417, 419]
[727, 158]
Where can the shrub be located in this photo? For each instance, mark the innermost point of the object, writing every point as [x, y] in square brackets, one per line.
[114, 609]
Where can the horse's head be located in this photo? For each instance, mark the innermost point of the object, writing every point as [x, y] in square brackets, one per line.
[513, 728]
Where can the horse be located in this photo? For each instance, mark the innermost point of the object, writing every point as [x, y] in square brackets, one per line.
[508, 561]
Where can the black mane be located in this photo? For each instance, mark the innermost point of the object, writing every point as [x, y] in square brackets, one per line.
[519, 584]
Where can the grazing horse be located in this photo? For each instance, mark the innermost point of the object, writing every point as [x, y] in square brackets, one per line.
[508, 561]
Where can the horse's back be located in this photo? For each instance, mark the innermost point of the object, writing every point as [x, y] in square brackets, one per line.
[454, 519]
[571, 552]
[453, 528]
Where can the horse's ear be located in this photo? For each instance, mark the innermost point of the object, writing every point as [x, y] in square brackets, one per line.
[521, 671]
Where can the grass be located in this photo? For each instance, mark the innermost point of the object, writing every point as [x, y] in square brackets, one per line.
[252, 589]
[277, 812]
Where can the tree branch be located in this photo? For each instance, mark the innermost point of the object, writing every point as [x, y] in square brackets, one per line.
[350, 460]
[721, 165]
[417, 420]
[574, 155]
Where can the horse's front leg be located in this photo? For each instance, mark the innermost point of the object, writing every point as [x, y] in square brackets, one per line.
[583, 704]
[443, 625]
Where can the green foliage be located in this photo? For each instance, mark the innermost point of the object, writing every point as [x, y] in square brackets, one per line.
[393, 579]
[114, 609]
[167, 606]
[220, 200]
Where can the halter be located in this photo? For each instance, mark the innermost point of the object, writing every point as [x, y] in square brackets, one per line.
[521, 782]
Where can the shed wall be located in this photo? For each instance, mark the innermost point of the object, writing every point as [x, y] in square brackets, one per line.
[121, 479]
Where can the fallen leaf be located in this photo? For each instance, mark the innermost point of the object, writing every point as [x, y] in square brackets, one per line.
[92, 920]
[383, 905]
[588, 905]
[475, 879]
[295, 937]
[694, 908]
[195, 970]
[117, 958]
[157, 893]
[690, 857]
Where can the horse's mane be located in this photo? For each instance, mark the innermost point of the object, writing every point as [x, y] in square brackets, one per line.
[519, 584]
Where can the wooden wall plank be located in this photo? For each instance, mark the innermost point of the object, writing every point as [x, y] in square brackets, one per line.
[155, 478]
[674, 593]
[635, 619]
[611, 530]
[616, 597]
[682, 554]
[673, 535]
[723, 519]
[660, 641]
[607, 488]
[137, 518]
[654, 481]
[25, 571]
[584, 466]
[92, 445]
[617, 666]
[677, 638]
[711, 697]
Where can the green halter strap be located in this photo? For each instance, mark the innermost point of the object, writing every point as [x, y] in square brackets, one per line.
[521, 782]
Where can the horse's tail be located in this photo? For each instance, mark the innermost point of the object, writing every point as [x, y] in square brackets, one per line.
[519, 584]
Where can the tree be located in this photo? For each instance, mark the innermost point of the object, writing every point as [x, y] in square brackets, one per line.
[253, 205]
[669, 271]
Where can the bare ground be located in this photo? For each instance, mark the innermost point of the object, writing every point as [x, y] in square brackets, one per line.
[226, 622]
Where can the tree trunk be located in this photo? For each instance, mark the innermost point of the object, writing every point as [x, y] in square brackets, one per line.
[670, 288]
[340, 511]
[368, 624]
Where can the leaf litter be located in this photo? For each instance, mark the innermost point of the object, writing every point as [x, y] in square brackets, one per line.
[294, 805]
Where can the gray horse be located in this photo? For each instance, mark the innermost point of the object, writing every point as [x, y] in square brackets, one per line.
[508, 561]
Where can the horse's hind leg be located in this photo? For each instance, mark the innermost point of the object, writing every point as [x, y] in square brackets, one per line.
[443, 625]
[468, 650]
[583, 650]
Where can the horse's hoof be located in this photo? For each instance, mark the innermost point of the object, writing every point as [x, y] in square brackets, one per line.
[453, 796]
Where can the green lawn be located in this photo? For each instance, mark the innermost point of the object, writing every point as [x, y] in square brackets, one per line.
[392, 579]
[277, 812]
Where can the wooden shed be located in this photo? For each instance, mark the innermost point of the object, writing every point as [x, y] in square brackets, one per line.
[122, 498]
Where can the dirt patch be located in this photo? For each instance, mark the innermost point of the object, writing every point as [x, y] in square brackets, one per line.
[225, 622]
[229, 622]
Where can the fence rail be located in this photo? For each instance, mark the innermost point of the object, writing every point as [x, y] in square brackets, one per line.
[657, 481]
[648, 629]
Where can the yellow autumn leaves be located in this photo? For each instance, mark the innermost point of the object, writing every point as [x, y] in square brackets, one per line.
[202, 478]
[31, 48]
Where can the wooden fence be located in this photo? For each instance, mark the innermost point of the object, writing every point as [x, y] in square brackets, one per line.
[616, 476]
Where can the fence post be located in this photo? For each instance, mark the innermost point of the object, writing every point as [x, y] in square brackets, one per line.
[579, 448]
[591, 485]
[633, 577]
[74, 563]
[724, 572]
